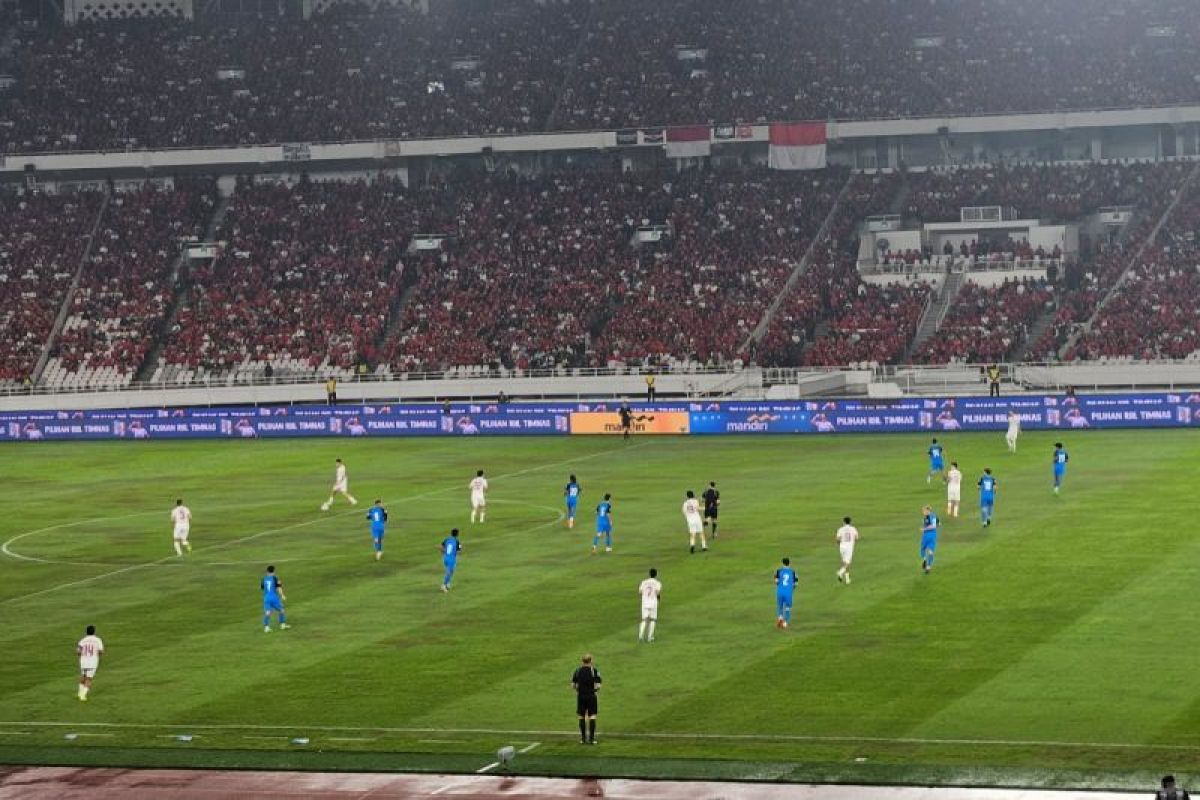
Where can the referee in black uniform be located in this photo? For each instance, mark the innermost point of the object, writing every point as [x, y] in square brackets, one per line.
[712, 502]
[586, 681]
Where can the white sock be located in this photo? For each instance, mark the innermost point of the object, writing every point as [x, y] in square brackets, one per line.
[651, 634]
[642, 631]
[83, 690]
[178, 549]
[703, 542]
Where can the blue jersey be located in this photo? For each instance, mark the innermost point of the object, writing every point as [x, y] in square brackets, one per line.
[1060, 460]
[572, 493]
[604, 516]
[270, 588]
[785, 580]
[929, 524]
[378, 517]
[450, 548]
[935, 455]
[987, 489]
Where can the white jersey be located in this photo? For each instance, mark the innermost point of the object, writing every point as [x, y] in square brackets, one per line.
[340, 481]
[1014, 426]
[90, 648]
[847, 534]
[953, 484]
[691, 509]
[650, 589]
[182, 517]
[479, 486]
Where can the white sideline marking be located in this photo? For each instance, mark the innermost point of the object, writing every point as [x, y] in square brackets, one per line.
[488, 768]
[771, 737]
[527, 748]
[351, 738]
[14, 733]
[159, 562]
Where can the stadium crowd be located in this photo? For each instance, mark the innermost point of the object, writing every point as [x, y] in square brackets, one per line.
[528, 65]
[42, 238]
[126, 285]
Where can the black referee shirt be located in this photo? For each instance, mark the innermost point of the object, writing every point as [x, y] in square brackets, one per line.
[586, 680]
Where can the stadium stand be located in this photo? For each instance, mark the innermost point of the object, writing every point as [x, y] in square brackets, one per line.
[42, 239]
[528, 66]
[305, 282]
[126, 285]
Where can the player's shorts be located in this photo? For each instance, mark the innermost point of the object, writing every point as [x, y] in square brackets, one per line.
[182, 531]
[1060, 471]
[782, 599]
[954, 495]
[937, 464]
[272, 604]
[695, 525]
[847, 551]
[478, 501]
[928, 542]
[586, 705]
[650, 612]
[604, 526]
[987, 502]
[88, 672]
[450, 564]
[1011, 435]
[571, 509]
[710, 513]
[341, 486]
[377, 533]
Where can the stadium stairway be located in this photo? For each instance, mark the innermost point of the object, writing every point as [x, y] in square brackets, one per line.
[935, 313]
[180, 287]
[1036, 331]
[69, 296]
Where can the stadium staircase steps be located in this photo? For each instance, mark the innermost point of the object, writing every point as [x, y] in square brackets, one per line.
[395, 320]
[1036, 331]
[181, 287]
[760, 330]
[65, 309]
[900, 201]
[819, 333]
[1134, 260]
[935, 312]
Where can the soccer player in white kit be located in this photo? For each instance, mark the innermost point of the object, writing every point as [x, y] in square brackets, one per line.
[846, 536]
[1014, 430]
[695, 523]
[479, 487]
[341, 485]
[953, 490]
[89, 650]
[650, 590]
[181, 515]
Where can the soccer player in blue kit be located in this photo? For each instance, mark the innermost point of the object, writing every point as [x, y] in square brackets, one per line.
[572, 492]
[929, 526]
[785, 587]
[272, 589]
[1060, 465]
[937, 462]
[603, 525]
[450, 548]
[378, 517]
[987, 497]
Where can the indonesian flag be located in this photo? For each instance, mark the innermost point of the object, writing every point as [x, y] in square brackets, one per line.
[797, 145]
[689, 141]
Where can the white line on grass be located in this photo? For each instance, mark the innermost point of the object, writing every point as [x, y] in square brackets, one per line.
[351, 738]
[14, 733]
[487, 768]
[769, 737]
[527, 748]
[233, 542]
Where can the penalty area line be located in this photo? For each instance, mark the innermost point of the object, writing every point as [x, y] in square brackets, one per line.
[729, 737]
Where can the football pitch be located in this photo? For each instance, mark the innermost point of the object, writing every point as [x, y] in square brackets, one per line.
[1055, 648]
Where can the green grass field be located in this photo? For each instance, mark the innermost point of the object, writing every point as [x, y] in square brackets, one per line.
[1055, 648]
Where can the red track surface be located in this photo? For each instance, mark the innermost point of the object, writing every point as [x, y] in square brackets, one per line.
[67, 783]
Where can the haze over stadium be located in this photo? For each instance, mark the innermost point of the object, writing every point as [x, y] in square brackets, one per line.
[773, 260]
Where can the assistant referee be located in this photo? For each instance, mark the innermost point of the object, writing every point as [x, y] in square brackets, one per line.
[586, 682]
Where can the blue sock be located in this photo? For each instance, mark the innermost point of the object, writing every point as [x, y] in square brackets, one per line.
[446, 580]
[608, 539]
[378, 545]
[266, 619]
[595, 540]
[282, 617]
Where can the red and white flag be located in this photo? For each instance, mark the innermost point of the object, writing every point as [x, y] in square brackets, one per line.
[797, 145]
[689, 141]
